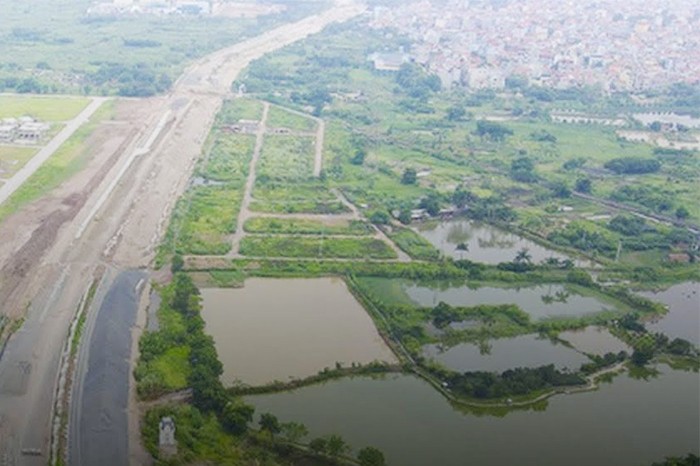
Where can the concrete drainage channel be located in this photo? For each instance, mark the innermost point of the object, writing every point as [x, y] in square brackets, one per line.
[98, 417]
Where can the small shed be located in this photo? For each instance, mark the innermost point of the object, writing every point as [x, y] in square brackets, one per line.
[166, 436]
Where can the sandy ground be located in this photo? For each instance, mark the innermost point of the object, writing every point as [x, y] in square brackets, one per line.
[47, 260]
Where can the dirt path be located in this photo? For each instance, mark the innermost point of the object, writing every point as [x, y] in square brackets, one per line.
[379, 234]
[318, 159]
[244, 214]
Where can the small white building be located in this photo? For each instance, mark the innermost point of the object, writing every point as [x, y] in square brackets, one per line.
[166, 436]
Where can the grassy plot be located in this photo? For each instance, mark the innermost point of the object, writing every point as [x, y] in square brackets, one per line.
[42, 108]
[69, 159]
[283, 192]
[300, 207]
[280, 118]
[239, 109]
[286, 158]
[413, 244]
[307, 227]
[229, 158]
[342, 248]
[13, 158]
[209, 217]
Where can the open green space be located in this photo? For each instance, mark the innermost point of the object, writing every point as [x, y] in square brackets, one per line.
[299, 207]
[294, 246]
[281, 118]
[228, 159]
[272, 191]
[205, 219]
[240, 108]
[307, 227]
[12, 158]
[68, 160]
[412, 243]
[286, 158]
[42, 108]
[133, 55]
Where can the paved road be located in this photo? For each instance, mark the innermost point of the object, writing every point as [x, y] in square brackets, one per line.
[99, 420]
[47, 151]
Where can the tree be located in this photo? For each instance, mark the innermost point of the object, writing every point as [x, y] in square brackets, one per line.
[319, 445]
[523, 169]
[431, 203]
[583, 185]
[370, 456]
[359, 157]
[236, 416]
[405, 216]
[633, 165]
[462, 197]
[409, 176]
[379, 217]
[294, 431]
[561, 190]
[492, 130]
[177, 263]
[336, 445]
[456, 113]
[269, 423]
[523, 257]
[682, 213]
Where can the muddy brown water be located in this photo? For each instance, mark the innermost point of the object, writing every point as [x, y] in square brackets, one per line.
[276, 329]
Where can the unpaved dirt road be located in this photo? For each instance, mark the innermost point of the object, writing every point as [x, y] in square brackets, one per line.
[53, 248]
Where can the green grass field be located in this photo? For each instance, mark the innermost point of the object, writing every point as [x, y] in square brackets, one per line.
[286, 158]
[299, 207]
[281, 118]
[13, 158]
[279, 192]
[293, 246]
[42, 108]
[229, 158]
[307, 227]
[209, 218]
[237, 109]
[413, 244]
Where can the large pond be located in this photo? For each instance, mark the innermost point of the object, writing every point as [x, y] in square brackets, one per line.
[507, 353]
[540, 301]
[485, 243]
[274, 329]
[683, 318]
[626, 423]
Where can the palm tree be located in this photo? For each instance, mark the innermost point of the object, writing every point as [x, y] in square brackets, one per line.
[523, 256]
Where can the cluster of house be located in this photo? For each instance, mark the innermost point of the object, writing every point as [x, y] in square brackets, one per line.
[181, 7]
[628, 45]
[22, 130]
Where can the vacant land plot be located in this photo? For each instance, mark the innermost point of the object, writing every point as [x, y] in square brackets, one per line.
[42, 108]
[276, 192]
[413, 244]
[13, 158]
[294, 246]
[299, 207]
[287, 158]
[209, 217]
[229, 158]
[281, 118]
[307, 227]
[239, 109]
